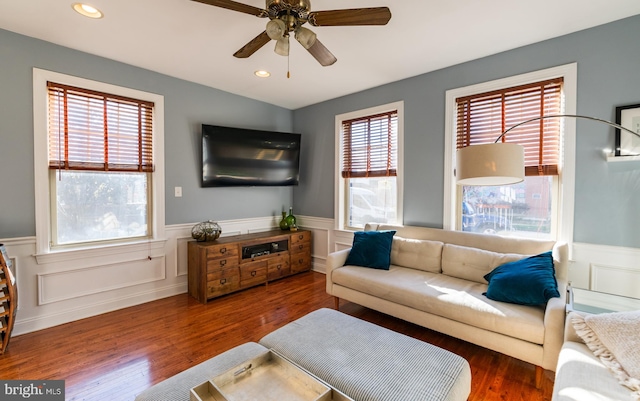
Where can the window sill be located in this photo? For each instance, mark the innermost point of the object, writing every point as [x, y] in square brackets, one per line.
[130, 251]
[614, 159]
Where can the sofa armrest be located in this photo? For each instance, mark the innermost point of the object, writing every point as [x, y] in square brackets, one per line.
[335, 260]
[569, 331]
[561, 262]
[554, 326]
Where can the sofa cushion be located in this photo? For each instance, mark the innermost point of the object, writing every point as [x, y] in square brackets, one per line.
[529, 281]
[449, 297]
[371, 249]
[473, 263]
[417, 254]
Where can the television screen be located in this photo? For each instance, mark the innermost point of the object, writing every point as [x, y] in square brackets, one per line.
[244, 157]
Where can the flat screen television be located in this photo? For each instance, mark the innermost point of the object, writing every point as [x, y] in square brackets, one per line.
[234, 157]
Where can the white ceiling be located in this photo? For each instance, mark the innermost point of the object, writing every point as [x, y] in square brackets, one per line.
[195, 41]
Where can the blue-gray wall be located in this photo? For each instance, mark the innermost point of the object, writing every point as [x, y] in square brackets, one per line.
[607, 206]
[187, 106]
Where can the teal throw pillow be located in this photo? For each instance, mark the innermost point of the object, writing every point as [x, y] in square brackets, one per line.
[371, 249]
[529, 281]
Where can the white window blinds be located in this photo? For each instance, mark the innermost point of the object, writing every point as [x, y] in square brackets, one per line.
[370, 146]
[482, 117]
[90, 130]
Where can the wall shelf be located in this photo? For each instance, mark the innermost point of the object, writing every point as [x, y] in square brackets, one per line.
[616, 159]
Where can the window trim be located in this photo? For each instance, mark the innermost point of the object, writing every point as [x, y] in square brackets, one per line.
[340, 193]
[44, 253]
[567, 151]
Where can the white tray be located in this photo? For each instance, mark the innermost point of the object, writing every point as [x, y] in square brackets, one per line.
[267, 377]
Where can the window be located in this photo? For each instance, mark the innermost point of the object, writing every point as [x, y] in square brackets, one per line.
[514, 209]
[370, 180]
[98, 159]
[536, 207]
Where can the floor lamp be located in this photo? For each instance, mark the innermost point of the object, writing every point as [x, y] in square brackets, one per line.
[501, 163]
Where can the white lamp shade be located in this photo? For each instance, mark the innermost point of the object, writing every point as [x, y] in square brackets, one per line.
[305, 36]
[276, 29]
[490, 164]
[282, 46]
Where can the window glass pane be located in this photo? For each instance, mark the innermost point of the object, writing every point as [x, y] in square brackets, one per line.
[371, 200]
[98, 206]
[518, 210]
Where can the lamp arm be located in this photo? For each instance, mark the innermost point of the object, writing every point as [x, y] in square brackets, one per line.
[567, 115]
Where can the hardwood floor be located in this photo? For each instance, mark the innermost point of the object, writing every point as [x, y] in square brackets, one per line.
[117, 355]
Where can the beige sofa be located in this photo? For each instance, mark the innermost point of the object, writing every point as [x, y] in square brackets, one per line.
[436, 281]
[581, 375]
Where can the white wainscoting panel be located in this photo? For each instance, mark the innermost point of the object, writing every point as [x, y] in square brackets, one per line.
[609, 269]
[615, 280]
[183, 255]
[63, 285]
[344, 240]
[322, 237]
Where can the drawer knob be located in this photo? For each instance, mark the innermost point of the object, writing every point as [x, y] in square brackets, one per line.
[300, 236]
[253, 273]
[223, 262]
[279, 267]
[300, 246]
[300, 261]
[223, 250]
[223, 281]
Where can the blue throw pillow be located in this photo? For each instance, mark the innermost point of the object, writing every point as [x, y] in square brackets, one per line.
[529, 281]
[371, 249]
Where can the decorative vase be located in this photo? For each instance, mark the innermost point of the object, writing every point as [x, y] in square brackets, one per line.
[206, 231]
[291, 220]
[283, 223]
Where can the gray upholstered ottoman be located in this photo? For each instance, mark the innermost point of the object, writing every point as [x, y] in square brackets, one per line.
[370, 363]
[362, 360]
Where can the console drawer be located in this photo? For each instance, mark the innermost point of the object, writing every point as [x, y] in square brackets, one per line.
[302, 236]
[222, 251]
[221, 263]
[253, 273]
[222, 282]
[278, 267]
[300, 262]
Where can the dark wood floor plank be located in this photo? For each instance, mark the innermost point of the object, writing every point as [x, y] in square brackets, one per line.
[117, 355]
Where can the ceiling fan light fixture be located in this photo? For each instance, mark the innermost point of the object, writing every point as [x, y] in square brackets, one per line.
[87, 10]
[276, 29]
[306, 37]
[282, 46]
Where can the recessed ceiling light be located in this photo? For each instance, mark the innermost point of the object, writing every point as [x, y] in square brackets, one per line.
[87, 10]
[262, 74]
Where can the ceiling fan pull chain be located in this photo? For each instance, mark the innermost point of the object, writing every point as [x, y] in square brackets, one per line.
[288, 72]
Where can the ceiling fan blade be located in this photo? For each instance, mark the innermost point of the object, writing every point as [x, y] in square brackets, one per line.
[353, 16]
[253, 46]
[322, 54]
[235, 6]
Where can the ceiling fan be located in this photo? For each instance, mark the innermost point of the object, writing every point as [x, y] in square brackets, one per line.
[286, 16]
